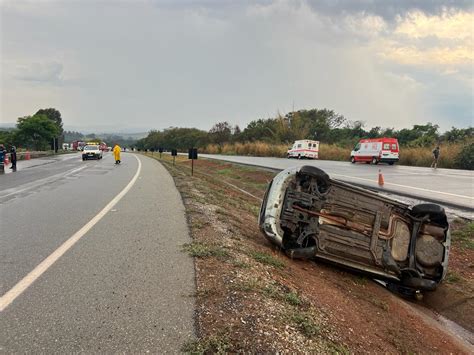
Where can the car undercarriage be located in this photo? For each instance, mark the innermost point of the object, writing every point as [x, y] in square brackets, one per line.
[310, 215]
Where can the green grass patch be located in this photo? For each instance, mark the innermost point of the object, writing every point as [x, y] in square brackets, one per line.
[306, 324]
[218, 344]
[337, 349]
[201, 250]
[452, 277]
[292, 298]
[241, 264]
[464, 236]
[246, 286]
[267, 259]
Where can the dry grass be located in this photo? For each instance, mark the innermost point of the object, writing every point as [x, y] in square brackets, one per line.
[259, 149]
[422, 156]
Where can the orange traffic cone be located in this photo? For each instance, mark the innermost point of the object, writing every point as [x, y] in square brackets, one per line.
[6, 161]
[27, 155]
[381, 182]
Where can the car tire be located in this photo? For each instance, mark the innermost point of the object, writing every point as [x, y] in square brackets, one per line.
[353, 160]
[375, 161]
[435, 212]
[299, 156]
[288, 156]
[391, 163]
[321, 176]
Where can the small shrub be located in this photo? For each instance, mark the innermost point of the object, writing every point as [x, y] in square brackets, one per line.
[306, 324]
[293, 299]
[465, 158]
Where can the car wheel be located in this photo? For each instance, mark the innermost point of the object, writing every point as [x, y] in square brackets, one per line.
[320, 175]
[435, 212]
[391, 163]
[288, 156]
[375, 161]
[299, 156]
[353, 160]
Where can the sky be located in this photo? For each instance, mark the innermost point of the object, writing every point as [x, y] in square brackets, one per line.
[149, 64]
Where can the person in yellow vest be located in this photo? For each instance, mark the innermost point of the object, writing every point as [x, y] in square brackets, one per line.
[116, 151]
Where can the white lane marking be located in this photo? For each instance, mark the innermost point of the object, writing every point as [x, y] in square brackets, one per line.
[26, 282]
[40, 182]
[408, 187]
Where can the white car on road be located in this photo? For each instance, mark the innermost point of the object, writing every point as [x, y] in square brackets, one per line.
[91, 152]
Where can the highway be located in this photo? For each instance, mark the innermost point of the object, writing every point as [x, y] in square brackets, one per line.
[449, 187]
[91, 259]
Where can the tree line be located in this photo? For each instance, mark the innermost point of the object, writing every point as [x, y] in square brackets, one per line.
[41, 131]
[323, 125]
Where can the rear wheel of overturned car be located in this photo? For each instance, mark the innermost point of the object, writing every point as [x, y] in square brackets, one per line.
[375, 161]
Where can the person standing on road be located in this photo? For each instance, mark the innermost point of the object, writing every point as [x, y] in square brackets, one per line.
[434, 164]
[117, 151]
[2, 158]
[13, 157]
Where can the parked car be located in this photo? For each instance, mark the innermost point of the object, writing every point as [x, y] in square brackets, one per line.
[308, 214]
[377, 150]
[91, 152]
[304, 149]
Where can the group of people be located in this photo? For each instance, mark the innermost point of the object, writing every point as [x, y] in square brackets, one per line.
[4, 153]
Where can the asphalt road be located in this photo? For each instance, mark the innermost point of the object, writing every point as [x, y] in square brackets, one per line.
[124, 286]
[450, 187]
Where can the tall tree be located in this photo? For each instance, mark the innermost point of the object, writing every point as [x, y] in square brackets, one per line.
[36, 131]
[221, 132]
[54, 115]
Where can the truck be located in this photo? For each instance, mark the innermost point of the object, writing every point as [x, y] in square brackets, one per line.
[305, 148]
[376, 150]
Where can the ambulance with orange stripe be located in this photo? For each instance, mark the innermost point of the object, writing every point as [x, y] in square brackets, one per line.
[376, 150]
[304, 149]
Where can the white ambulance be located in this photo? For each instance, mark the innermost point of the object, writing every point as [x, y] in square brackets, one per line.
[376, 150]
[304, 149]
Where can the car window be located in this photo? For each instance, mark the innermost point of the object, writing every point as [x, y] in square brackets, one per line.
[386, 146]
[299, 145]
[357, 147]
[91, 147]
[394, 146]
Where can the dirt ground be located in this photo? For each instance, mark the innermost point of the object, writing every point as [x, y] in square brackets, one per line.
[252, 298]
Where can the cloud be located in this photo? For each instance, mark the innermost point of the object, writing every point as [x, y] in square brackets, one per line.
[47, 72]
[166, 63]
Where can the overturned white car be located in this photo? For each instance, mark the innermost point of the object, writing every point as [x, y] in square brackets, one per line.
[310, 215]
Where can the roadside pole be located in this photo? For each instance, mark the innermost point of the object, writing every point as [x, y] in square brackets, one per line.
[174, 153]
[192, 154]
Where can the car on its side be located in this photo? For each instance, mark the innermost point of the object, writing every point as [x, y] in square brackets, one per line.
[91, 152]
[310, 215]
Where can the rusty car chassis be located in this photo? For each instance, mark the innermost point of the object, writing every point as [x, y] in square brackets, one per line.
[309, 215]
